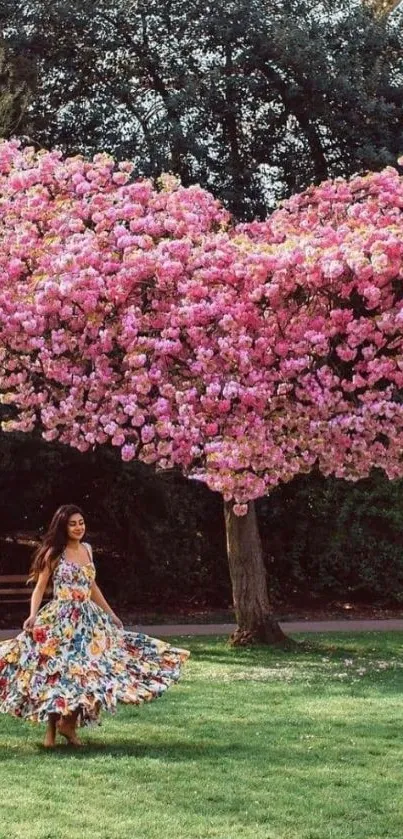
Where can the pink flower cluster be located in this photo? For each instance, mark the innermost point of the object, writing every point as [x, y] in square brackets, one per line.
[135, 314]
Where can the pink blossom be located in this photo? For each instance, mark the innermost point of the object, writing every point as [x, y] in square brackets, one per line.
[143, 318]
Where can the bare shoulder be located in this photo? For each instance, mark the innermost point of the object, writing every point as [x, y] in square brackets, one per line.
[88, 548]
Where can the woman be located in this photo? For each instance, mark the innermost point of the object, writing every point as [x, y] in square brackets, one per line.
[73, 657]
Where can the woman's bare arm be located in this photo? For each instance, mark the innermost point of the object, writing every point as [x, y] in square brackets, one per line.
[37, 597]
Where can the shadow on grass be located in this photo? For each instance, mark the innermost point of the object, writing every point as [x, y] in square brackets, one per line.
[374, 739]
[335, 647]
[171, 752]
[213, 741]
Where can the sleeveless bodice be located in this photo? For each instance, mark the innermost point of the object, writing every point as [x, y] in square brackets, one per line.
[72, 581]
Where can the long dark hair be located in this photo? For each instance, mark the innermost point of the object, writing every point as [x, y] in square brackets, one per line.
[53, 542]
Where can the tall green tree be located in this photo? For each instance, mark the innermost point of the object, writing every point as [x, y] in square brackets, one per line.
[253, 99]
[384, 7]
[17, 80]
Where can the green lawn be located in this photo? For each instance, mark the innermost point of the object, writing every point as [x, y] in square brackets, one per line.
[252, 744]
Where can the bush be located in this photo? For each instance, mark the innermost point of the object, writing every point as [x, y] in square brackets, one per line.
[331, 538]
[160, 540]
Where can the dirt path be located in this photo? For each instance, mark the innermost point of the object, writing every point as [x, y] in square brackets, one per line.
[165, 630]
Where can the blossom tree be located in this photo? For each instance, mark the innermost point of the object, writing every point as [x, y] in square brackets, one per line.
[138, 316]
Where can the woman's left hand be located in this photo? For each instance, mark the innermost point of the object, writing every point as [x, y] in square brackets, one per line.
[117, 621]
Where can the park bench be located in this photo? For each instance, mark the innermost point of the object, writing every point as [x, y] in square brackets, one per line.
[15, 550]
[13, 588]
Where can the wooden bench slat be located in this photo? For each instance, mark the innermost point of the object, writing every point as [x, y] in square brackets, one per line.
[11, 594]
[15, 600]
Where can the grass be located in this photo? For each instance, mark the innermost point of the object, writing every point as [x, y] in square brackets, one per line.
[253, 744]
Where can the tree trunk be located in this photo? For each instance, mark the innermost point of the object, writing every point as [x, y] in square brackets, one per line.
[249, 584]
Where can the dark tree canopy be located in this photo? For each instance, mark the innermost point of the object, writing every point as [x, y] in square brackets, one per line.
[253, 99]
[384, 7]
[17, 80]
[323, 539]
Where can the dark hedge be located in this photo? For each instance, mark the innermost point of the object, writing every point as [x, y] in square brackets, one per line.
[160, 539]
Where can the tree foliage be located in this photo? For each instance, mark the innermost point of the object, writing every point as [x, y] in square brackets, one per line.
[326, 538]
[254, 100]
[323, 539]
[164, 534]
[384, 7]
[243, 356]
[17, 80]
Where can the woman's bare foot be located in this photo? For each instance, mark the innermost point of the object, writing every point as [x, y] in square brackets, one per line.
[49, 741]
[50, 736]
[69, 733]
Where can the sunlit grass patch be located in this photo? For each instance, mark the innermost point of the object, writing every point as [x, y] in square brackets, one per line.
[252, 744]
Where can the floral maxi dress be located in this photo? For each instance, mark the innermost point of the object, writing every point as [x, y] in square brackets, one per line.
[75, 657]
